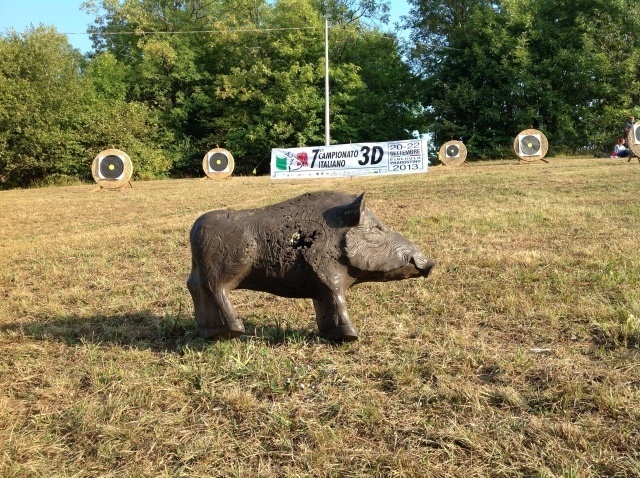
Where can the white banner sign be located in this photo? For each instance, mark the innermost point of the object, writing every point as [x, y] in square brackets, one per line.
[355, 159]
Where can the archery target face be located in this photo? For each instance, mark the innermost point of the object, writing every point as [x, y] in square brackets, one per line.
[636, 133]
[452, 151]
[218, 162]
[111, 167]
[530, 145]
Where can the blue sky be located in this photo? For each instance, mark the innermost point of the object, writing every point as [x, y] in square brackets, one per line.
[67, 17]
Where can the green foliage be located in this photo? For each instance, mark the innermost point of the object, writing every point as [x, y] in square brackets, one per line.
[272, 95]
[54, 118]
[256, 80]
[387, 102]
[492, 69]
[40, 92]
[167, 81]
[108, 76]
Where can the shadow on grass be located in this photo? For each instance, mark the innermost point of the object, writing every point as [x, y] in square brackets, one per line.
[145, 330]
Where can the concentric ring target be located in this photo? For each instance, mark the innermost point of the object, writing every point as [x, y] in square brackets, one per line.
[218, 163]
[530, 145]
[112, 168]
[453, 153]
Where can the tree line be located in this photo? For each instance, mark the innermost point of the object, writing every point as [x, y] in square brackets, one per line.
[570, 68]
[168, 80]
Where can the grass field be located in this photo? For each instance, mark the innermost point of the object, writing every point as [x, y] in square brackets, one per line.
[518, 356]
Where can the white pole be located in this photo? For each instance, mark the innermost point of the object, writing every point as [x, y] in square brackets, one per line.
[326, 82]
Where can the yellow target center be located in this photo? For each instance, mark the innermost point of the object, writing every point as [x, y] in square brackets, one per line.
[530, 145]
[218, 161]
[111, 167]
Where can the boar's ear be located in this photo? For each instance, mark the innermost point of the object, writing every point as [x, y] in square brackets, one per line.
[353, 212]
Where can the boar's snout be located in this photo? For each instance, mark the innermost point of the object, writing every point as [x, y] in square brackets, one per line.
[423, 264]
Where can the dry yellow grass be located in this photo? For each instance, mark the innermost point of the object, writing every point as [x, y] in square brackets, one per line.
[519, 356]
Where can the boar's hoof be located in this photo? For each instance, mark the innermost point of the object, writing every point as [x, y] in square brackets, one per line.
[230, 331]
[341, 333]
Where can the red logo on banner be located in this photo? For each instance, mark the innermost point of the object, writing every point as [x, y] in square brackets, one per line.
[303, 158]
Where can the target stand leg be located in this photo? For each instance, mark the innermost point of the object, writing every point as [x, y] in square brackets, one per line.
[126, 185]
[214, 178]
[122, 188]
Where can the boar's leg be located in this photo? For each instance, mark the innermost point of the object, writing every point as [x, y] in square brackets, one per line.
[215, 317]
[332, 317]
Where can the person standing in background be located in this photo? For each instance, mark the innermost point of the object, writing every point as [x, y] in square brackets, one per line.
[630, 122]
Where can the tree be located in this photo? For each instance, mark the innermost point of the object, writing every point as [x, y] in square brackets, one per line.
[491, 69]
[40, 87]
[255, 79]
[462, 50]
[585, 57]
[54, 119]
[387, 105]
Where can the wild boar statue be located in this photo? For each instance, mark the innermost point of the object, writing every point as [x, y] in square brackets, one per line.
[315, 246]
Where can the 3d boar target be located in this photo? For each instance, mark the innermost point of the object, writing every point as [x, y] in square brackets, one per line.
[315, 246]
